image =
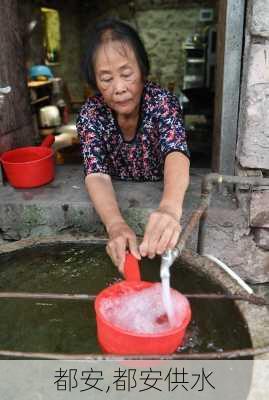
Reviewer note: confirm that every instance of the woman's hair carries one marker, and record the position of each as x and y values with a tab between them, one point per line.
114	30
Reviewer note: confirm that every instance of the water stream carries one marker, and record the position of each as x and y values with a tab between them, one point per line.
167	301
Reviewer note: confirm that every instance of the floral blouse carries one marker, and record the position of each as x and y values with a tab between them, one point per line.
160	131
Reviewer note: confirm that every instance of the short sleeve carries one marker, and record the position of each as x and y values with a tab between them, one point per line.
171	127
92	144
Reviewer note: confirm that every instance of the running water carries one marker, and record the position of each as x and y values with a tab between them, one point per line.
166	290
167	301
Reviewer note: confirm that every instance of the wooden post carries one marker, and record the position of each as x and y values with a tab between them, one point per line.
230	33
16	127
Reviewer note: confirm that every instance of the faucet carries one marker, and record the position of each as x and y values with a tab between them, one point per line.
168	258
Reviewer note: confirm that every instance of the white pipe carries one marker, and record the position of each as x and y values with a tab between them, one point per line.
230	272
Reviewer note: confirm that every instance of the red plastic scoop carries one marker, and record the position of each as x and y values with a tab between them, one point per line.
28	167
131	268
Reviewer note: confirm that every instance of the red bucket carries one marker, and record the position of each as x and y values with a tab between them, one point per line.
32	166
115	340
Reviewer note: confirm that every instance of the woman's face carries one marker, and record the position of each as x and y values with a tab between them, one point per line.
118	77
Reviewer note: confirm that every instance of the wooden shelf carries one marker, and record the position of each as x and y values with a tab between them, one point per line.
36	84
40	99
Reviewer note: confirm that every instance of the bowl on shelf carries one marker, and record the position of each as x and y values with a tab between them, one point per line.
40	72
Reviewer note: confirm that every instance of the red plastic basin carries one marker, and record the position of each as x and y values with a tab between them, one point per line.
116	340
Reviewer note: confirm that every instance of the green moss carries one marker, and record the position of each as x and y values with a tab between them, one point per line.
33	215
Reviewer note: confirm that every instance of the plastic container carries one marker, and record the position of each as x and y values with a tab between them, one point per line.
49	117
28	167
115	340
37	71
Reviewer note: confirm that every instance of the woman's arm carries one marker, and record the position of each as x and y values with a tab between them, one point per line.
176	182
163	228
103	196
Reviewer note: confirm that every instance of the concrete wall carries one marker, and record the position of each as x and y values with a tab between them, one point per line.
163	26
164	40
253	134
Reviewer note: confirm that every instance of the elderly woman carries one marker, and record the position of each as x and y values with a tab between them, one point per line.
131	130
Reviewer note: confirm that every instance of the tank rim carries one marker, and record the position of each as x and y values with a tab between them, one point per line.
255	317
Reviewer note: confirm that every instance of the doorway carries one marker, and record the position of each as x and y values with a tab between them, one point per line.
219	113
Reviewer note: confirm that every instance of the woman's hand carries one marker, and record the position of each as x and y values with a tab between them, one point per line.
121	238
120	235
161	233
163	227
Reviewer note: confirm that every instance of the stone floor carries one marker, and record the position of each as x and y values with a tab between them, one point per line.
63	207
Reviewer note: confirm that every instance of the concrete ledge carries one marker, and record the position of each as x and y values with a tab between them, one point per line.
64	206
